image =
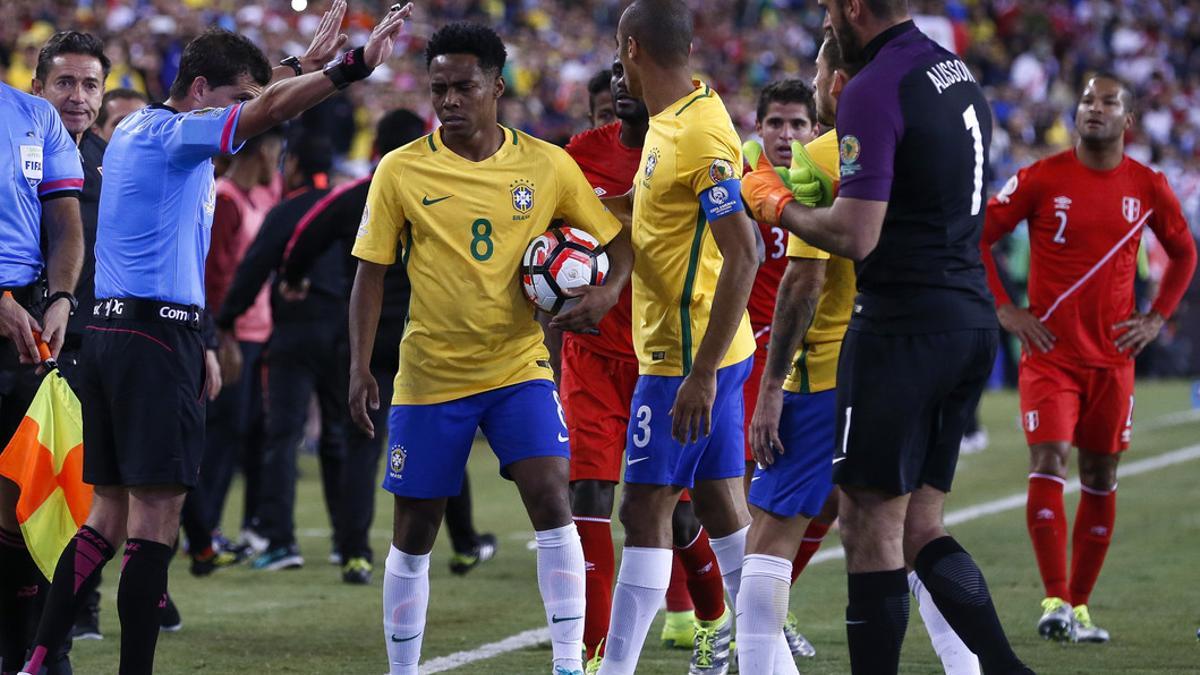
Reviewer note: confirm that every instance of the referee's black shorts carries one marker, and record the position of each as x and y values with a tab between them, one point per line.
141	386
904	402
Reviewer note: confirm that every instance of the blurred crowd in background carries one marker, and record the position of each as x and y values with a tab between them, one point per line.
1029	56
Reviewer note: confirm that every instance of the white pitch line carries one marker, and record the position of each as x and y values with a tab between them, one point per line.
532	638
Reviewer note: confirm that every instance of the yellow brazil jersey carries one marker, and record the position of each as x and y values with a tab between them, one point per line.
690	147
815	366
462	228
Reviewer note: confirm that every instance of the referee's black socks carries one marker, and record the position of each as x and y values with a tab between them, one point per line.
20	584
960	592
78	574
141	597
876	619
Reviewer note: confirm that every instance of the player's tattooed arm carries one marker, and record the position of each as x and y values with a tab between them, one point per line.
850	228
366	299
795	306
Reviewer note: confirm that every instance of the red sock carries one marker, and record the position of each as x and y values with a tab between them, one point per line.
703	577
678	599
813	536
1089	543
599	565
1046	518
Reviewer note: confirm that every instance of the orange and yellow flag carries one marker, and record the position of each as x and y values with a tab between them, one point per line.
45	459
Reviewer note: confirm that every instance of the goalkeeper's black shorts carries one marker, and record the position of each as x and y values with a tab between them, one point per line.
904	402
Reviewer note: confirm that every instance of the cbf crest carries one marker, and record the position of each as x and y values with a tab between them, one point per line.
396	460
522	196
1131	208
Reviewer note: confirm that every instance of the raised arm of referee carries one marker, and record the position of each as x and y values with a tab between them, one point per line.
141	377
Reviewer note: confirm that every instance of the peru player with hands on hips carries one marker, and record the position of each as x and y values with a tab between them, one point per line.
462	204
1087	208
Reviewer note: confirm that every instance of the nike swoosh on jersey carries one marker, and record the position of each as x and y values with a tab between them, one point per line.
562	438
639	459
426	201
407	639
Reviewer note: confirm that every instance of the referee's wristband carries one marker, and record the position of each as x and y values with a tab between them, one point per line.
63	295
348	68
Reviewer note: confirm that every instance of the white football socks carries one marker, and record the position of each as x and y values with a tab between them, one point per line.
762	606
956	658
560	570
405	601
729	551
641	587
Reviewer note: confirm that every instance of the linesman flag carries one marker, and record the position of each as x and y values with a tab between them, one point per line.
45	459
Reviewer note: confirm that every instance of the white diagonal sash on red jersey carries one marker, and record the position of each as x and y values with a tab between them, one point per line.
1137	227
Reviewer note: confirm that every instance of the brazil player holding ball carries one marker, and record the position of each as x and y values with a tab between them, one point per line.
461	204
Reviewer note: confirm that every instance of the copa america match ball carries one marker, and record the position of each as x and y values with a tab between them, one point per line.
559	259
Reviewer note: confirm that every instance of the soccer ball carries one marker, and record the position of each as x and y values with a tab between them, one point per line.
558	259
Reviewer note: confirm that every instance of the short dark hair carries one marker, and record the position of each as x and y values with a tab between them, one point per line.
464	37
661	27
117	95
70	42
831	51
787	91
887	9
600	83
220	57
396	129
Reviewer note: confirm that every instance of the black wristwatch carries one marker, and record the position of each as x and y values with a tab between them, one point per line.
63	295
293	62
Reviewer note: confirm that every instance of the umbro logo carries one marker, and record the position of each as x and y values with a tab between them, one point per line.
1100	531
705	569
1062	203
1045	514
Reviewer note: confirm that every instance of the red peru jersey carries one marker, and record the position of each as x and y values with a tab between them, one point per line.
609	166
1085	227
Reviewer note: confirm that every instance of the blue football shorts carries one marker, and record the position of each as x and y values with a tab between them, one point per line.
801	478
654	457
428	445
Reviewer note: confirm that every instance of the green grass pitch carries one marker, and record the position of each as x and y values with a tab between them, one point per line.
308	621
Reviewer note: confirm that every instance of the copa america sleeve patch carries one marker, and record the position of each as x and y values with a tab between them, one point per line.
722	199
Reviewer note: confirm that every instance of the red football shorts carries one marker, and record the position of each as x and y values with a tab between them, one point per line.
750	388
1089	407
596	392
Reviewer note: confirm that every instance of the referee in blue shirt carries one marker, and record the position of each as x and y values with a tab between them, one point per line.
40	182
141	376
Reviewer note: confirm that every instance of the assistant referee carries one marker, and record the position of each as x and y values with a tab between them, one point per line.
141	382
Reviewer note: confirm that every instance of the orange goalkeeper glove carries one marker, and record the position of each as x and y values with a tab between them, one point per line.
764	188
